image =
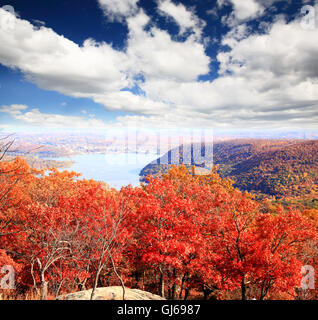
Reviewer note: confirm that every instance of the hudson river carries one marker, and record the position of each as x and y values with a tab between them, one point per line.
115	169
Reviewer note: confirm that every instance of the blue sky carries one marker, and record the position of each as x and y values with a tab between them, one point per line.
221	64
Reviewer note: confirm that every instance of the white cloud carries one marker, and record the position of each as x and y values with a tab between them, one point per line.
118	9
36	118
156	55
185	18
56	63
129	102
286	51
13	110
245	10
236	34
213	12
96	70
265	80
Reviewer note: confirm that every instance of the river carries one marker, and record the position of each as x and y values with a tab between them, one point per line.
117	170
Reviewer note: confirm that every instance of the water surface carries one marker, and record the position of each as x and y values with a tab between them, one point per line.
115	169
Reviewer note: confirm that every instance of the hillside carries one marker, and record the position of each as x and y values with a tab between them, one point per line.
280	168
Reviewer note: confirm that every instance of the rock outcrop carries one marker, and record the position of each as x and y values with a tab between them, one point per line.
111	293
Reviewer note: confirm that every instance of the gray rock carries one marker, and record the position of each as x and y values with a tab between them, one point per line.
111	293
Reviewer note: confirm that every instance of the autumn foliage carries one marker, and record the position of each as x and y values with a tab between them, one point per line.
180	236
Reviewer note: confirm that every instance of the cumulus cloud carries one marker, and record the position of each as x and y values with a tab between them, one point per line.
56	63
244	10
96	70
118	10
264	80
185	19
156	55
14	110
286	51
36	118
129	102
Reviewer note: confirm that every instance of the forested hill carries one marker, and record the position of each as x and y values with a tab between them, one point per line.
280	168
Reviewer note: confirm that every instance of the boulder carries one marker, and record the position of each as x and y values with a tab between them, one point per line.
111	293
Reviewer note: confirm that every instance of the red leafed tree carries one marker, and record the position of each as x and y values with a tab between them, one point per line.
204	195
101	216
50	247
276	264
47	187
178	233
15	175
51	233
233	242
223	220
166	232
309	256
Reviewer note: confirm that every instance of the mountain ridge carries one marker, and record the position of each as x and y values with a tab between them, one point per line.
279	167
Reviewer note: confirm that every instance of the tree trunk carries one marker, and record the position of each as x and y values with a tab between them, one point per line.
137	279
173	291
243	288
59	288
43	288
82	285
173	287
117	274
206	294
181	291
162	284
143	280
95	284
181	287
186	293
